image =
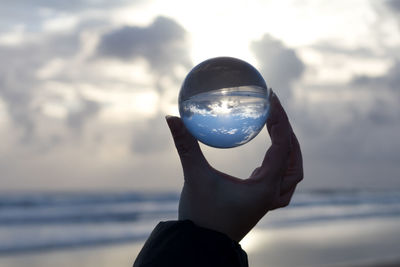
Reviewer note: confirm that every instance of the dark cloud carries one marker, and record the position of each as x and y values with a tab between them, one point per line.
87	110
394	4
354	140
360	129
345	146
18	79
280	65
382	114
32	13
385	108
18	103
349	133
390	80
163	44
24	59
72	5
341	138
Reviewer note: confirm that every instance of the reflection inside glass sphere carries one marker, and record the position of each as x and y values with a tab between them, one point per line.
224	102
226	117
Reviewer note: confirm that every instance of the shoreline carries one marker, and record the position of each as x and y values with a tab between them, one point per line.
125	255
99	256
347	243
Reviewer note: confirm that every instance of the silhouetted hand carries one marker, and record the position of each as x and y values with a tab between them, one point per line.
230	205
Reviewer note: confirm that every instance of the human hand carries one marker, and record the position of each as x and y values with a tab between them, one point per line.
218	201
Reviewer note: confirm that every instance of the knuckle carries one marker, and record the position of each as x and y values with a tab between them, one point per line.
285	204
298	179
301	177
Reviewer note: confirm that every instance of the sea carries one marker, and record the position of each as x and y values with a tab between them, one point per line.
34	222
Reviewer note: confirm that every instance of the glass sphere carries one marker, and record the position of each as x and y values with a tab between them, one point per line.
224	102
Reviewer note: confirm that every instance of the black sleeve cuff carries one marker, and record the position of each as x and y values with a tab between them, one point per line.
182	243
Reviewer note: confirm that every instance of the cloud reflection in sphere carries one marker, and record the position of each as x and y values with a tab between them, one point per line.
224	102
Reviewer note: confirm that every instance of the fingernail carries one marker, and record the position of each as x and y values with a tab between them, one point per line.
273	95
169	121
274	99
175	125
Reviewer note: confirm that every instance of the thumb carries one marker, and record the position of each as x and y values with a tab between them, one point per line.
187	146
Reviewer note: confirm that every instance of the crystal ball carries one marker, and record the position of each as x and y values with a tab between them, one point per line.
224	102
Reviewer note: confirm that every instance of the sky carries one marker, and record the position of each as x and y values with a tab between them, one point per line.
85	86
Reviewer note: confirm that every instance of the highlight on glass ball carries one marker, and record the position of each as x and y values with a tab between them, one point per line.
224	102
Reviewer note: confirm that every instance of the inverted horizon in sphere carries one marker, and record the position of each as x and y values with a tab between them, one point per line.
224	102
227	117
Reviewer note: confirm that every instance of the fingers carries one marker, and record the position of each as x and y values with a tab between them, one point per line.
255	172
294	175
284	200
276	159
187	146
294	172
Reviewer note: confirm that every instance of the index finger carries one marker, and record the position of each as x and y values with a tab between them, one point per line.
294	172
276	159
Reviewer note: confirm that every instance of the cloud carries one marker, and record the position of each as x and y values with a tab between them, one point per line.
390	80
87	109
64	61
280	65
150	136
32	14
351	133
67	121
66	110
73	5
163	44
19	84
335	47
347	127
385	109
394	4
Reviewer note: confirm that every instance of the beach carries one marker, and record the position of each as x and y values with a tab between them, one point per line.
329	229
350	243
99	256
357	243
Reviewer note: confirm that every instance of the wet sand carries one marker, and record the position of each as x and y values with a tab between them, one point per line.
101	256
362	242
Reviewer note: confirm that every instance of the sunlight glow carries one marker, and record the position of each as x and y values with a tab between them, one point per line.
124	107
222	107
134	71
253	240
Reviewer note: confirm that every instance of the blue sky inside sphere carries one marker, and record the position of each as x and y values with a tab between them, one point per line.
227	117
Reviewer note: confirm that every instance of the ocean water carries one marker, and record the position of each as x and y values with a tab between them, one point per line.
52	221
34	222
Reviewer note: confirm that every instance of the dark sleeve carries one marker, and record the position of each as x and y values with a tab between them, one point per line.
182	243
